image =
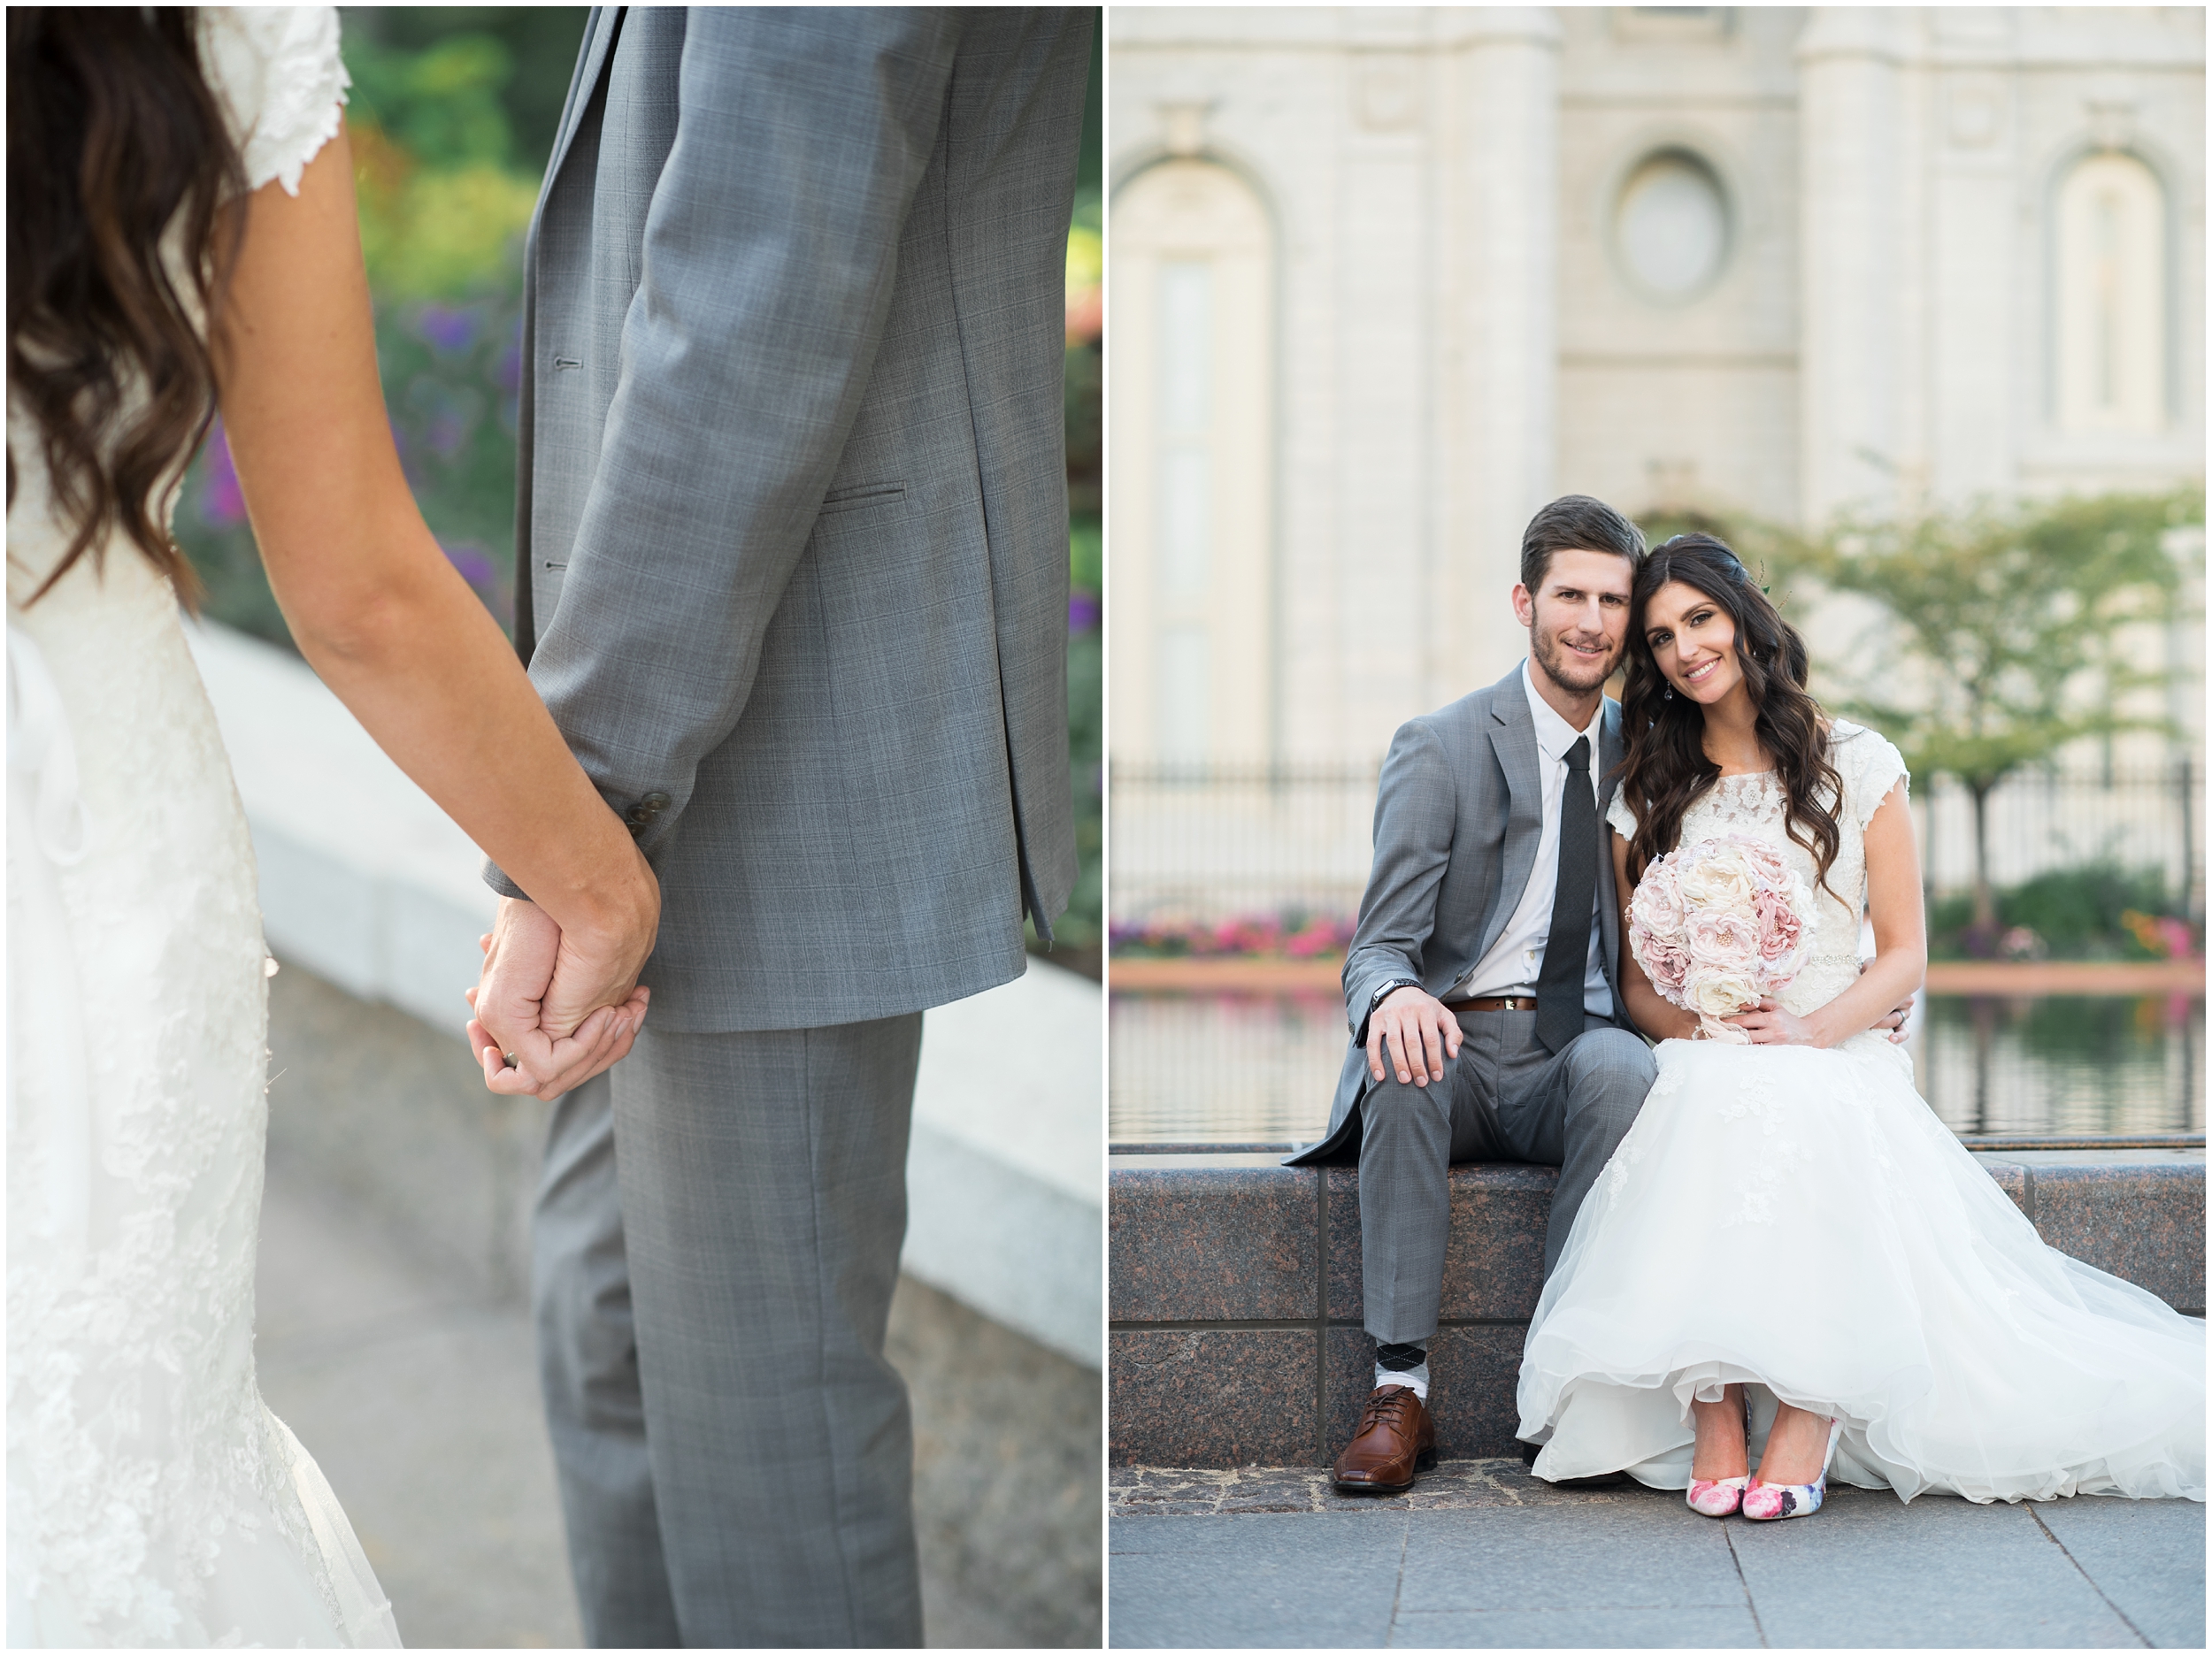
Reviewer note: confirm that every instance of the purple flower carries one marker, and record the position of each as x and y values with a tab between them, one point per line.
447	432
448	328
473	561
224	502
1082	611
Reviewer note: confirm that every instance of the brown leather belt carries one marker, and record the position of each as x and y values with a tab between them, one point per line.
1493	1002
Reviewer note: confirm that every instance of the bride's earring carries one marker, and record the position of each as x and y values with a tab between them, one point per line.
1669	695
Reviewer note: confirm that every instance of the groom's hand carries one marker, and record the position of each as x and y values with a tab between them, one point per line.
543	1001
1411	1031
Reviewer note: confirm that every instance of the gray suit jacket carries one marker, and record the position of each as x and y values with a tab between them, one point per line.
1458	818
793	518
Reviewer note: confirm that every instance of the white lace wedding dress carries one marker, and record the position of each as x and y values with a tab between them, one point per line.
1800	1219
152	1497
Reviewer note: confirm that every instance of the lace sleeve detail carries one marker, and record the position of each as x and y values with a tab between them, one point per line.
1620	817
1869	764
278	73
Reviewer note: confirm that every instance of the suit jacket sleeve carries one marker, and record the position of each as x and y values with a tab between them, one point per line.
1414	809
770	251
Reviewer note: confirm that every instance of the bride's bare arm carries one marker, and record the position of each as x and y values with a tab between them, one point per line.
1901	942
379	612
1647	1009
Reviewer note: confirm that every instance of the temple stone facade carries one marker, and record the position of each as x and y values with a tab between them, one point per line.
1384	280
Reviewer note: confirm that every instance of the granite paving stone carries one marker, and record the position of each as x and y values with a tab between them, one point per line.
1212	1397
1578	1629
1237	1244
418	1396
1301	1580
1454	1484
1639	1550
1482	1555
1868	1570
2147	1557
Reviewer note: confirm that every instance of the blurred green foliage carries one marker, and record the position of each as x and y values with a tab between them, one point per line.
2004	627
2075	914
451	119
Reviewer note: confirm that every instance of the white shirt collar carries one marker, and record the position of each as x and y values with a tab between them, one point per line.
1553	734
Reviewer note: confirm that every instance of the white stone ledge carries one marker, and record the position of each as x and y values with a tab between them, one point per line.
366	883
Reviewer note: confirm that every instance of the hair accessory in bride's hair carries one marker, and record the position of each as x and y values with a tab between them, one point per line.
1719	923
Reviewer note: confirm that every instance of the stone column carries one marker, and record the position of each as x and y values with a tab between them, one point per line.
1500	383
1983	271
1856	240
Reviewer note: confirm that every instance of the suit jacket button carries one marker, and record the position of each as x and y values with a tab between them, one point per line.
653	804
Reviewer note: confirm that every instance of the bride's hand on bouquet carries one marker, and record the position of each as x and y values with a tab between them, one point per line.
559	1005
1768	1024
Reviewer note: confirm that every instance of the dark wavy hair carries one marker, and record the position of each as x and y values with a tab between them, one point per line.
116	143
1666	770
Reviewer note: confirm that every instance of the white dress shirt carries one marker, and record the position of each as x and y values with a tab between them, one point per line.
1516	959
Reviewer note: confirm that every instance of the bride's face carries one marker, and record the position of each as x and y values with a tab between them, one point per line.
1693	640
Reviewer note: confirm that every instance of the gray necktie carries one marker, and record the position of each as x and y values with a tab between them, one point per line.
1567	947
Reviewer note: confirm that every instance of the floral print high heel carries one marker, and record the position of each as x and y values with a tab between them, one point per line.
1722	1496
1770	1502
1718	1497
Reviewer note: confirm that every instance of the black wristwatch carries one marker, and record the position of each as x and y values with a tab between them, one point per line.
1388	989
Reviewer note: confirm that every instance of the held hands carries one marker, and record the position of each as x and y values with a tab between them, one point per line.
566	1004
1412	1031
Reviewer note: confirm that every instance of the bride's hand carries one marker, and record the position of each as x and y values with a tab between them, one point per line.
1768	1024
564	1005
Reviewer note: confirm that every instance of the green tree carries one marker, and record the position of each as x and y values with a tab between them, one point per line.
2004	630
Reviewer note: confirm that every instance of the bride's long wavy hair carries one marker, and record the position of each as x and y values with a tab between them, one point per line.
117	144
1666	770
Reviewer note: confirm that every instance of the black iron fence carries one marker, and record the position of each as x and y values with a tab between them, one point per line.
1218	842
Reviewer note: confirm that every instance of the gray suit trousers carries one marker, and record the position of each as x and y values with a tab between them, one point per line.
716	1243
1503	1098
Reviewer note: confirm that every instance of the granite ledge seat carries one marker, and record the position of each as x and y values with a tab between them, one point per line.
1233	1290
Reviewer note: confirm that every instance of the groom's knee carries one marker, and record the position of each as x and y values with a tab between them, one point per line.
1392	1107
1609	1071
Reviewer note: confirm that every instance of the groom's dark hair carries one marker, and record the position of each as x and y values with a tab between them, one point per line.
1575	523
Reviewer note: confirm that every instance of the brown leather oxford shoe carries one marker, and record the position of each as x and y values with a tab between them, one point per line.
1396	1438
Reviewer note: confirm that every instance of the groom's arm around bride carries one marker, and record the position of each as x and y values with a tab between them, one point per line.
792	537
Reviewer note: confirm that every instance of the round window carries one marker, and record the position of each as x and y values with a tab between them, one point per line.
1671	225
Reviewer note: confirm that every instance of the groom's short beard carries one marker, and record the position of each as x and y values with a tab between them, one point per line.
1568	673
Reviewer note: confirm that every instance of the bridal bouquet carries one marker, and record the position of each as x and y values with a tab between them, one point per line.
1717	924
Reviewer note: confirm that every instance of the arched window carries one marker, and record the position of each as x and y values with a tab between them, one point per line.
1191	297
2111	297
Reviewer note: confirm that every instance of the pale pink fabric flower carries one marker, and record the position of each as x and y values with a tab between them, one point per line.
1719	923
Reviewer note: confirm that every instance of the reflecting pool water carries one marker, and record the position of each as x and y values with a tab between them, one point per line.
1222	1069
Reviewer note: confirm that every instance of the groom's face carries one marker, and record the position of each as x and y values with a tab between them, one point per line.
1578	619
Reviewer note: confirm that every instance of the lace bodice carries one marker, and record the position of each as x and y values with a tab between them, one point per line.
1869	767
152	1497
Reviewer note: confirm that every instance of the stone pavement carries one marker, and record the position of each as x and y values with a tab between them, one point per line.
1482	1555
417	1393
